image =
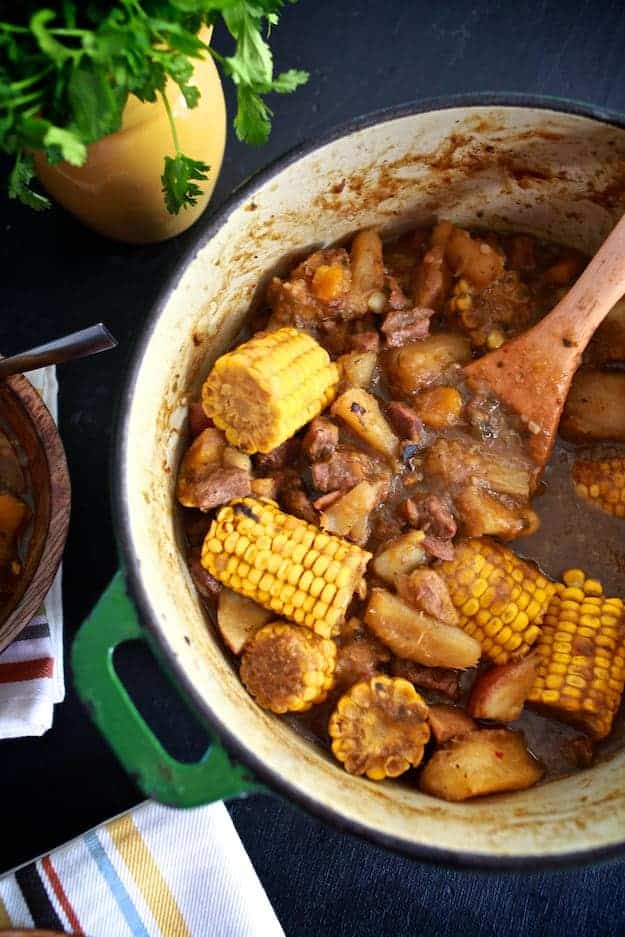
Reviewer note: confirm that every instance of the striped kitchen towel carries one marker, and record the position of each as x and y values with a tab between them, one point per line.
31	668
151	872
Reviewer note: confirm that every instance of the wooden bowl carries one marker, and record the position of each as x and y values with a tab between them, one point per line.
31	423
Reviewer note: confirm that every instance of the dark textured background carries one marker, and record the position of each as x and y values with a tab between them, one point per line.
55	276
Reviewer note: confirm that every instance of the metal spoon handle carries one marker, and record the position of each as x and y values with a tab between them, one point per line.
76	345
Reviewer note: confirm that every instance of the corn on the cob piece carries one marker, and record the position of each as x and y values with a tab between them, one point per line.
501	600
581	655
287	668
602	482
262	392
284	563
379	728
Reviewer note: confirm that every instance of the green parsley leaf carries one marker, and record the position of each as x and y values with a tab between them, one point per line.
180	175
19	184
64	145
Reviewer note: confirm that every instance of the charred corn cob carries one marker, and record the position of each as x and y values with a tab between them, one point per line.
287	668
581	655
268	388
602	482
284	563
379	728
500	599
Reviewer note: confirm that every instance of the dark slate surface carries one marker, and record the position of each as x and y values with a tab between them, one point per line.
55	276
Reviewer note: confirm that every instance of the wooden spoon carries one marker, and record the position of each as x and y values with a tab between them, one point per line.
532	373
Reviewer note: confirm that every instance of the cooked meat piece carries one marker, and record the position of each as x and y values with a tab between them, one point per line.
198	420
359	659
344	469
439	679
386	528
448	722
406	325
315	290
196	526
579	751
521	253
397	299
221	486
365	341
293	498
432	280
201	459
440	549
206	585
431	514
567	269
326	501
426	589
321	439
335	337
404	420
278	458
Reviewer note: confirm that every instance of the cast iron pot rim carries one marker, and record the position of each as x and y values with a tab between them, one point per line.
120	499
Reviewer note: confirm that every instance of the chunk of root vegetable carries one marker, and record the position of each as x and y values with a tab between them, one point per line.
357	367
348	516
488	761
361	412
416	636
413	366
595	407
500	692
238	618
400	557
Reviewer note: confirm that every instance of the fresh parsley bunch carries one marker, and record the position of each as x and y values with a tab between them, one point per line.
66	71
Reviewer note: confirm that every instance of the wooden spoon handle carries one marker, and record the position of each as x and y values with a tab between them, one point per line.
576	317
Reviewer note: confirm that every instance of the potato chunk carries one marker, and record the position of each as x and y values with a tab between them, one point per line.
412	367
400	557
358	367
238	618
203	456
367	269
488	761
500	692
481	513
349	515
595	407
448	722
361	412
379	728
416	636
472	258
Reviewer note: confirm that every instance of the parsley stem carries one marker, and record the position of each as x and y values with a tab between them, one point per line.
23	99
32	80
172	123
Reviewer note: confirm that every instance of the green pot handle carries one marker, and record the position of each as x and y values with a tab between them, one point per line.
215	777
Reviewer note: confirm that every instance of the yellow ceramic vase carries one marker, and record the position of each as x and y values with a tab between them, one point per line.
118	190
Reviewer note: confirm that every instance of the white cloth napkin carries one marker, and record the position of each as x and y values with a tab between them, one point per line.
151	872
31	668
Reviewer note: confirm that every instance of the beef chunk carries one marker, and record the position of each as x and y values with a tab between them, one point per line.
406	325
293	498
404	420
206	585
321	439
198	420
278	458
359	659
432	280
365	341
439	679
222	486
344	469
432	515
440	549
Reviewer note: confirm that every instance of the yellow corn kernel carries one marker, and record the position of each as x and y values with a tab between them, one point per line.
602	482
580	652
287	668
508	600
379	728
262	392
283	566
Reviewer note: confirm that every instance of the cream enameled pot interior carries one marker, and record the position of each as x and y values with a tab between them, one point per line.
555	175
